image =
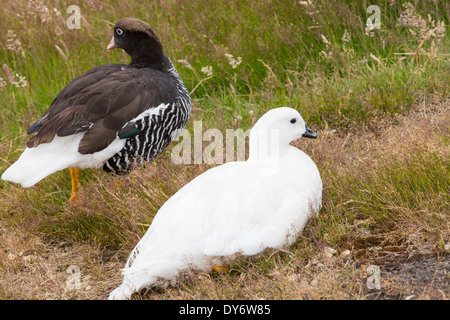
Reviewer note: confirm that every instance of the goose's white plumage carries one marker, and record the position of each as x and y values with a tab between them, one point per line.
34	164
239	207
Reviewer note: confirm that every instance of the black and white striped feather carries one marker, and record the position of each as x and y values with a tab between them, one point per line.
158	127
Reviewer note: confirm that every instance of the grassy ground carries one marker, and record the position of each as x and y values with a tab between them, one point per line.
378	98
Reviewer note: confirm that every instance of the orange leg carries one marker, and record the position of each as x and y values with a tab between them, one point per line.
76	184
220	268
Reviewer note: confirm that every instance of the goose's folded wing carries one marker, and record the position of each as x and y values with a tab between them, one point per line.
103	104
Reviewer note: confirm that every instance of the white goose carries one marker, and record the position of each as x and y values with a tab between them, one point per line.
239	207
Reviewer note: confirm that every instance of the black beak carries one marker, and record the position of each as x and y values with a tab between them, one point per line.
309	133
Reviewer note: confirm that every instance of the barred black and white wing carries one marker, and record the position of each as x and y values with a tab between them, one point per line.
154	130
157	128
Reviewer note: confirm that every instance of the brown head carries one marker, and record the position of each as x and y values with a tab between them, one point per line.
140	42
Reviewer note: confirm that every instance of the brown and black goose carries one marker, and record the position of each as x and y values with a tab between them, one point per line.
111	116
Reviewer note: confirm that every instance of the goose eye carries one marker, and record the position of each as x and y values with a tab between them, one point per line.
119	31
293	120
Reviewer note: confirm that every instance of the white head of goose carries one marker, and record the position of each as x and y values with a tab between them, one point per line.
110	116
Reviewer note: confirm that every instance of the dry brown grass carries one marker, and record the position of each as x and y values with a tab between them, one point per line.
407	237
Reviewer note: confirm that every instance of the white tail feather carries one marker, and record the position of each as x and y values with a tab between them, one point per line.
62	152
34	165
122	292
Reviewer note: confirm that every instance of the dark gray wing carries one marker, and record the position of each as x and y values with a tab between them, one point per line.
102	101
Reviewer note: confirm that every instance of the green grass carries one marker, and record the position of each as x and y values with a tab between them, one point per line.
376	166
280	45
